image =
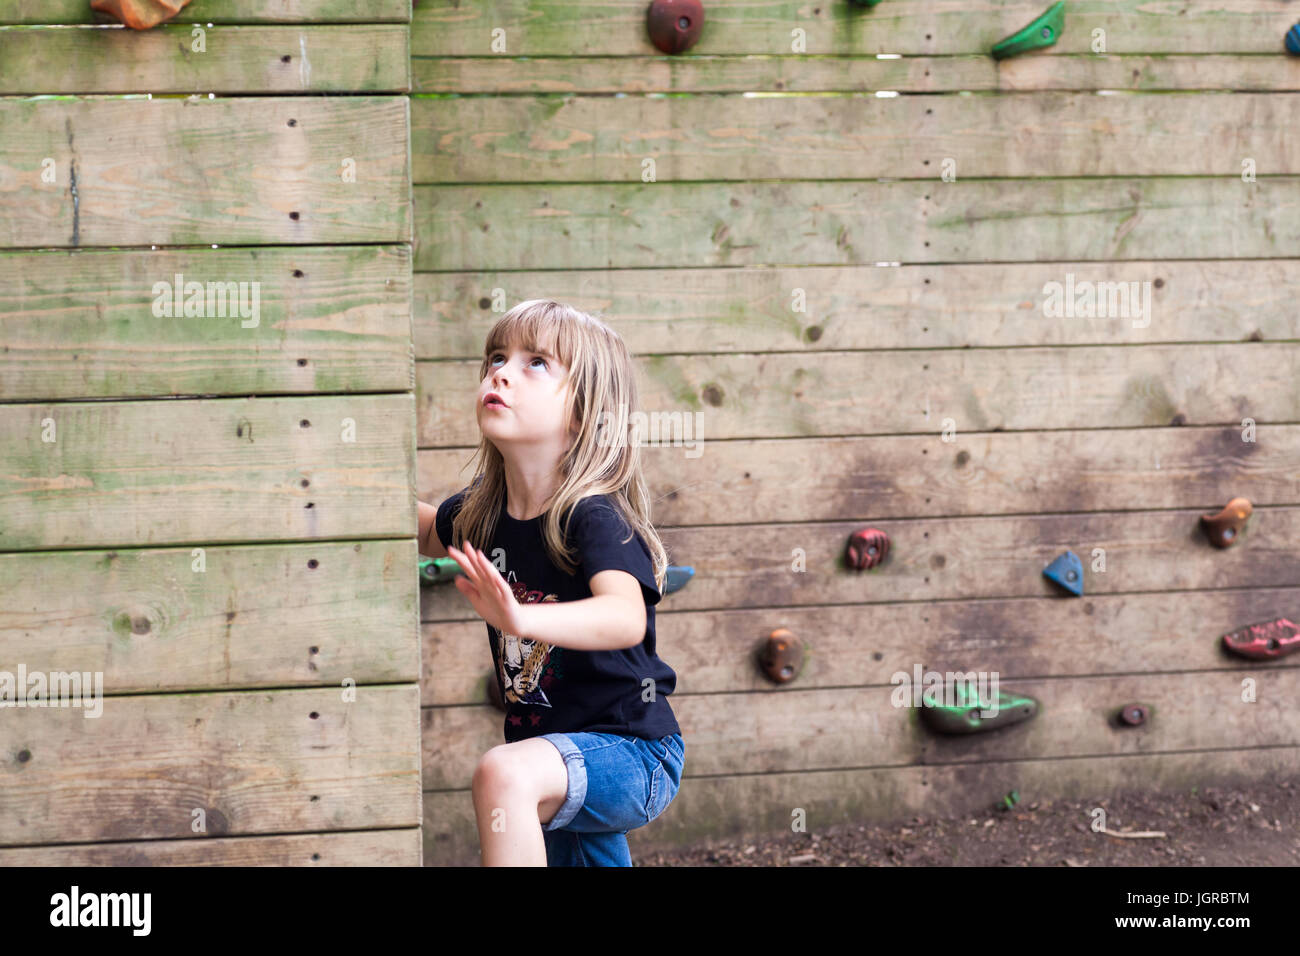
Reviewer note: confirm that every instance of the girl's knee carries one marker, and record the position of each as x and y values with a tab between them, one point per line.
500	773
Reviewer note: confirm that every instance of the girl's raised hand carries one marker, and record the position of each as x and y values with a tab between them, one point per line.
485	588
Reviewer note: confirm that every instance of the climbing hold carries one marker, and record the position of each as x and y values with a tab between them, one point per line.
1067	571
438	570
1009	801
1222	529
867	548
140	14
1135	715
677	578
494	692
964	717
1040	33
864	3
1293	40
675	25
782	656
1265	641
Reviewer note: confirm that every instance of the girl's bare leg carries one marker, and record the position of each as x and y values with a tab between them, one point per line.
517	787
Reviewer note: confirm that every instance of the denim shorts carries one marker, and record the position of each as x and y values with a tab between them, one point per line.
616	784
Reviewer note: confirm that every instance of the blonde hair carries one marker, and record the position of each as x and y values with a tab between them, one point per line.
601	388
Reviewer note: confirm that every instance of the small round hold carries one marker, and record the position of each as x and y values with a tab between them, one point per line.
1293	40
675	25
867	548
782	656
1134	715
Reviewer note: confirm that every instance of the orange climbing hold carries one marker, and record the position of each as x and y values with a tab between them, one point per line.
140	14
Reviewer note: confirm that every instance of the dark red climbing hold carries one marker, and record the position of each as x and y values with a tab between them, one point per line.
1265	641
1135	715
675	25
1224	528
782	656
867	548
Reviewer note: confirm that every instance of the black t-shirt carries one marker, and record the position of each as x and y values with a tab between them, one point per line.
549	689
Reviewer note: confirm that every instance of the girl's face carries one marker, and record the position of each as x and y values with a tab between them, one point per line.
532	385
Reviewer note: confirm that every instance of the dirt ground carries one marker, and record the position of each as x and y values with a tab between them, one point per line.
1254	825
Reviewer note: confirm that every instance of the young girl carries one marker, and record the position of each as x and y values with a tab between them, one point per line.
561	561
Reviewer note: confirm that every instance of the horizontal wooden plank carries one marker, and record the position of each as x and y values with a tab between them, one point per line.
201	171
748	805
819	73
206	472
83	325
712	651
845	307
254	762
267	616
556	27
779	395
360	848
220	11
717	137
310	59
912	476
663	224
849	727
940	559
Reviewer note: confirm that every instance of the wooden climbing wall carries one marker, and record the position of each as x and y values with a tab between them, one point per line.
817	177
213	508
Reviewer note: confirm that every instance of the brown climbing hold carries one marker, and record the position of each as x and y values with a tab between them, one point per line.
1135	715
782	656
140	14
675	25
867	548
1224	528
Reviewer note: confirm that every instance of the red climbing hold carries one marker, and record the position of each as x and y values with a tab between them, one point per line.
867	548
1135	715
1265	641
675	25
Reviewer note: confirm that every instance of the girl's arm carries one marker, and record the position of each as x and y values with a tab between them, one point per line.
430	546
612	619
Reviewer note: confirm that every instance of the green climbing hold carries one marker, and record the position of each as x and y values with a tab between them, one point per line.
1042	32
971	714
438	570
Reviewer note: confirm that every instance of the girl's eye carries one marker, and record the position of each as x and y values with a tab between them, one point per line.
536	358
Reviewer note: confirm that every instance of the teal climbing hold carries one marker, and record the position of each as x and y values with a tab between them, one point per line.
1067	571
1293	40
677	578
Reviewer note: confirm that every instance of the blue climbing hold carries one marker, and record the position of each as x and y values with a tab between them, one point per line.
1293	40
1067	571
677	578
